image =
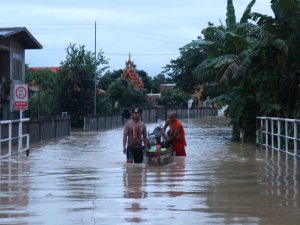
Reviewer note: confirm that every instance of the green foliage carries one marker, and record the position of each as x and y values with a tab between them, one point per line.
150	84
148	81
108	78
253	68
77	81
173	98
288	12
181	69
122	94
247	11
158	80
43	102
230	16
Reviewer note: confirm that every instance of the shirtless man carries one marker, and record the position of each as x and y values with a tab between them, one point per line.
135	134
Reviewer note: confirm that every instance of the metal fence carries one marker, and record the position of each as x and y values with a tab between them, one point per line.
13	139
17	135
279	134
48	129
149	115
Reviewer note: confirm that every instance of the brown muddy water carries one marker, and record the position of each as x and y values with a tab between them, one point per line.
83	179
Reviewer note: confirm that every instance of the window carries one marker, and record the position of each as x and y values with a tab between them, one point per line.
17	66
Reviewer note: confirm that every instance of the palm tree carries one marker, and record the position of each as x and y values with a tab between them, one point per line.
253	66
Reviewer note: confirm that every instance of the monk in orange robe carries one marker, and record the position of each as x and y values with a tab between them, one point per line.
177	138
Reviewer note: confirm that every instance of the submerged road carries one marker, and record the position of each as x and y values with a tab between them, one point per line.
83	179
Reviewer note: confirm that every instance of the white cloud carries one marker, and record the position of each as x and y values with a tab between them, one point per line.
160	26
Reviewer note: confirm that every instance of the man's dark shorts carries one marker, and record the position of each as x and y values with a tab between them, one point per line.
137	154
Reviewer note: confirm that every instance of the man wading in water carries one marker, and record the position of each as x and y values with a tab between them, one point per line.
177	137
135	133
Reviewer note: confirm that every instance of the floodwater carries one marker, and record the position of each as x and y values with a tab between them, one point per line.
83	179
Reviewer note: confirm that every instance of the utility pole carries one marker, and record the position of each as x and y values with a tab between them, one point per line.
95	73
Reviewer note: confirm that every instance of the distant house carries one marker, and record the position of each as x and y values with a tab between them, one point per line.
13	43
52	69
32	86
131	75
164	87
153	97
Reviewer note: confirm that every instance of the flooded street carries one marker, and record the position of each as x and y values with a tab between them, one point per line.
83	179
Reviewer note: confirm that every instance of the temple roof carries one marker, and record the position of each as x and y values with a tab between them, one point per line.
130	74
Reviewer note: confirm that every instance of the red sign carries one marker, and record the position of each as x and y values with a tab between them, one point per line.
21	97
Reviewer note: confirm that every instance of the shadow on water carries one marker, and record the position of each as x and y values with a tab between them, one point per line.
83	179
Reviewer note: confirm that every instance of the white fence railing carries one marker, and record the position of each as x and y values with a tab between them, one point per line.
279	134
12	144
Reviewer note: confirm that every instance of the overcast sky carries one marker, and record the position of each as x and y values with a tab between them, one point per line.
152	30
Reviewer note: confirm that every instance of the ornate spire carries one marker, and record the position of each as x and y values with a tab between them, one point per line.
131	75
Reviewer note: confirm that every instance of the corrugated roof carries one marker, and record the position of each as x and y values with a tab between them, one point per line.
25	36
4	33
52	69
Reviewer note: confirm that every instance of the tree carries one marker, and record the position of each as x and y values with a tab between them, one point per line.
123	95
181	69
147	80
158	80
43	101
108	78
173	98
253	67
77	81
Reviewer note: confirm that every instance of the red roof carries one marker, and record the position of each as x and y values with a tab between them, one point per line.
52	69
131	75
153	97
164	87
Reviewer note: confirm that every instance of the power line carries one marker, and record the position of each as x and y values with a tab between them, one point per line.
142	37
146	33
110	29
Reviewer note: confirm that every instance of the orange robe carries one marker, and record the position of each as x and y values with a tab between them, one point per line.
178	142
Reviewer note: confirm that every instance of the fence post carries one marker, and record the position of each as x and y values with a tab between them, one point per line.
97	118
261	130
267	132
278	133
257	131
286	137
55	128
41	130
295	139
9	137
84	123
20	135
272	133
111	122
0	144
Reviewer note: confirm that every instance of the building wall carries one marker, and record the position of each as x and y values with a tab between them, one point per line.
14	70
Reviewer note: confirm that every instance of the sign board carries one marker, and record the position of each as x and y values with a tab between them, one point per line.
190	103
21	97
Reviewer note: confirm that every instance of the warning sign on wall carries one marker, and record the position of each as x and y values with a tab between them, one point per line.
21	97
